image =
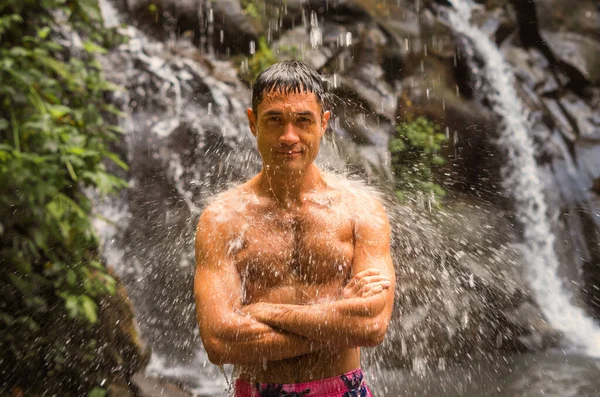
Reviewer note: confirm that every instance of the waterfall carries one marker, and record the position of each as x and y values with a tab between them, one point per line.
522	179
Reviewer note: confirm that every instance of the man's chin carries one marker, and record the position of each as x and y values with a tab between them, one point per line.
290	167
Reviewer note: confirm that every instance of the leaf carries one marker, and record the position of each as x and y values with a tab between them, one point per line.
7	63
43	32
93	48
77	150
7	319
72	306
114	110
3	124
111	284
97	392
29	323
90	9
71	278
115	129
24	78
96	265
58	111
60	68
89	308
117	160
19	52
71	170
109	86
437	160
396	145
21	283
23	266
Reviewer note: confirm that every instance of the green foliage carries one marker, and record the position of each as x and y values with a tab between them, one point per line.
53	142
414	154
253	8
262	59
97	392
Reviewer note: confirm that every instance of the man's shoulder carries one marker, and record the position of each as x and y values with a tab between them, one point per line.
226	206
354	192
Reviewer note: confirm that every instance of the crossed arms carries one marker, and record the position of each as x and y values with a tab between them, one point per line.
237	334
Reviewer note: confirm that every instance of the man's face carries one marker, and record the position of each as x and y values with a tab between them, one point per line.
288	129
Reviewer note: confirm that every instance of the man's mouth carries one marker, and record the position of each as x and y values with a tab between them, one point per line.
289	152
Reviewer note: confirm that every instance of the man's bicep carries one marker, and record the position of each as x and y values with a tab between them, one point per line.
217	287
372	241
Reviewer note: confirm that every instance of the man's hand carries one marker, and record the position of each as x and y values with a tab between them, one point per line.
366	283
363	285
253	310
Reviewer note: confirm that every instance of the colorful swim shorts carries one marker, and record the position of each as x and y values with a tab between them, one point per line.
350	384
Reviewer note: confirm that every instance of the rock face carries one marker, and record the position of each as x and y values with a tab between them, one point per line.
119	330
217	27
558	76
461	285
185	141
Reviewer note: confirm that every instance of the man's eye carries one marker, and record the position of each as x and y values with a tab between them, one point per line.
274	118
303	119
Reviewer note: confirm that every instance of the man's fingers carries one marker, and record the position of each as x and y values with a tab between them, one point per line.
374	279
373	291
378	286
369	282
365	281
369	272
365	274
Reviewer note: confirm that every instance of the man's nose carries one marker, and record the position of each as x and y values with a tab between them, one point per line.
289	136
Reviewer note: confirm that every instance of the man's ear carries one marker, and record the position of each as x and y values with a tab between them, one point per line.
251	121
324	120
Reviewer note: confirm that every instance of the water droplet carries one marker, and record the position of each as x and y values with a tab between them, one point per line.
348	39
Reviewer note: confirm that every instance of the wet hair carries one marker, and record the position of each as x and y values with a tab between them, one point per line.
289	77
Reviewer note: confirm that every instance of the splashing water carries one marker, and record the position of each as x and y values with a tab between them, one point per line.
316	35
522	179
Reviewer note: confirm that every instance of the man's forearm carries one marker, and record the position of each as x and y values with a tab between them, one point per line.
343	323
245	340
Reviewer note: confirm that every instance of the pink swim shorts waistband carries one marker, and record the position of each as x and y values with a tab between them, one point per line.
349	384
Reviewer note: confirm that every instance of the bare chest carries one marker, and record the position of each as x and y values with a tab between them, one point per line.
311	248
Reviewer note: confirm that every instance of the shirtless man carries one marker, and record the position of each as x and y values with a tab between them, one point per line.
294	272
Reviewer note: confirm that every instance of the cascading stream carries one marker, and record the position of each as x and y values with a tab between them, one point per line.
522	179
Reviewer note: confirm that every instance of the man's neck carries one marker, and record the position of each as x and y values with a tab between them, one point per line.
287	188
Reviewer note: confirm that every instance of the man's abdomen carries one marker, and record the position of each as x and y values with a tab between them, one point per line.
310	367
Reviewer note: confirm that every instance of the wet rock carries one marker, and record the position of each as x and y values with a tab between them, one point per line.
344	12
577	50
165	18
221	26
239	29
120	388
560	15
529	68
295	44
186	139
119	331
537	334
582	117
152	387
365	78
596	186
287	12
